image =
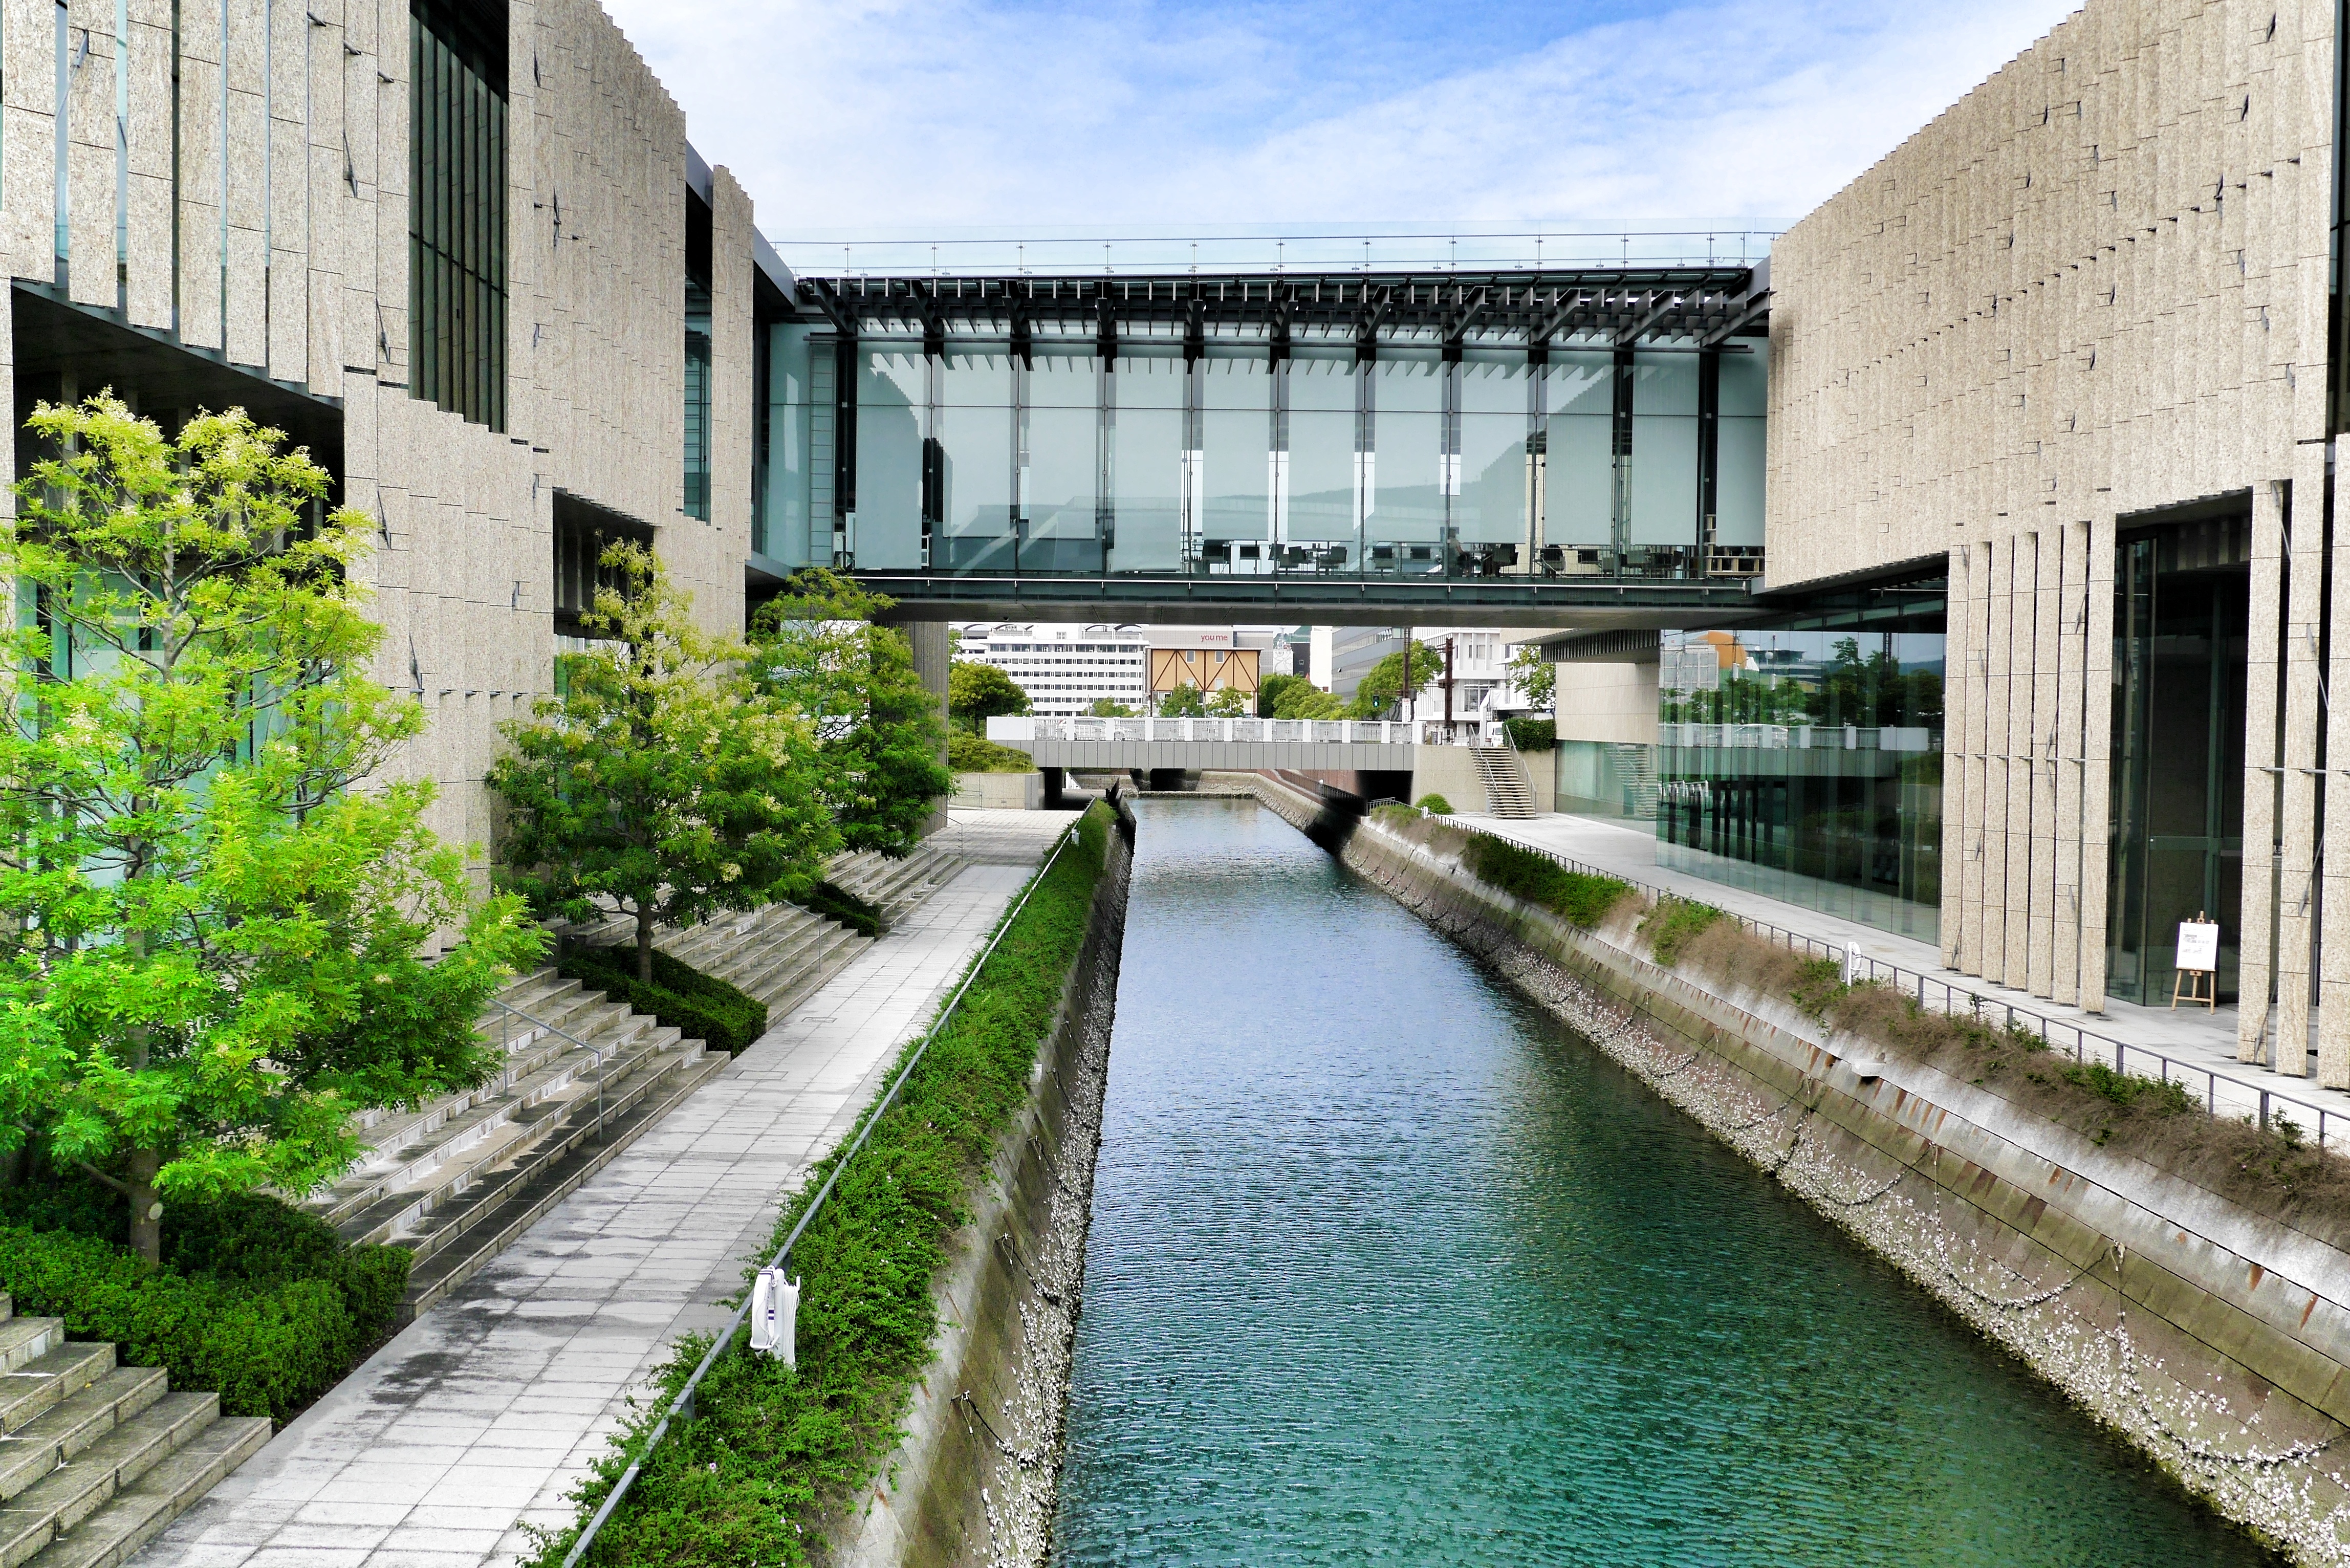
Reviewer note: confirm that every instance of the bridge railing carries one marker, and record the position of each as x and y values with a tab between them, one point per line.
1285	732
2220	1092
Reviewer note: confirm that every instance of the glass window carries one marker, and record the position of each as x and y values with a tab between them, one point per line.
785	515
1402	484
889	397
1495	477
1236	403
1322	458
456	212
1739	454
1147	464
1579	463
1061	465
973	425
1664	450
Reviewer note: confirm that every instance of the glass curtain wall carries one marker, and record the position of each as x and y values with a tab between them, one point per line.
969	461
1808	765
2181	601
456	208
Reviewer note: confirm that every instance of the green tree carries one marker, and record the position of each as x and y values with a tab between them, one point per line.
663	784
1109	708
1229	702
211	945
1269	690
1536	676
1307	700
977	692
880	736
1183	703
1385	685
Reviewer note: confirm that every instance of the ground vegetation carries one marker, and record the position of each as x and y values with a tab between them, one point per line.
775	1454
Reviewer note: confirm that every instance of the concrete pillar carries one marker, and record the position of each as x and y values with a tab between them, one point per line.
932	654
2023	606
1957	705
2255	961
1997	651
2331	961
2097	765
2297	889
2047	679
2073	694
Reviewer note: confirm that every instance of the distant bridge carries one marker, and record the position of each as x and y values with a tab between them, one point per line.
1302	745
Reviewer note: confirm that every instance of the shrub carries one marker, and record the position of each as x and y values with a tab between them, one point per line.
256	1299
1531	734
705	1007
771	1447
970	753
1435	804
1584	899
1672	924
834	902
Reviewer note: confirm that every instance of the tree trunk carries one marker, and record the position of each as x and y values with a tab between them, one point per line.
146	1204
644	947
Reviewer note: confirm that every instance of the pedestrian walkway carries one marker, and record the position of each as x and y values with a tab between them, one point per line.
2196	1035
479	1416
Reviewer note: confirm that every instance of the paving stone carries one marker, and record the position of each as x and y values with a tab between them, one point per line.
480	1414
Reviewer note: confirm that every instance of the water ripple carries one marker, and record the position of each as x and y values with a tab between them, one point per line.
1384	1269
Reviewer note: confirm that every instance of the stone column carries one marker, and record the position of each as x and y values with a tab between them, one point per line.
2304	537
2073	693
2255	957
932	653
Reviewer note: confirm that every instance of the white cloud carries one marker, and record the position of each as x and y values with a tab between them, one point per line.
907	115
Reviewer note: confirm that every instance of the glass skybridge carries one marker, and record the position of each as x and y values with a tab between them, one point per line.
1381	438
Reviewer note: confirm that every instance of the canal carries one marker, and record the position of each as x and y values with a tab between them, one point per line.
1386	1266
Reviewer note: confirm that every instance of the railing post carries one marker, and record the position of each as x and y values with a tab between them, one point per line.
2264	1111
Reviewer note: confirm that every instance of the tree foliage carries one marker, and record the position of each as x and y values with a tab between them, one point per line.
1535	676
977	692
879	734
663	783
1385	684
211	945
1229	702
1185	701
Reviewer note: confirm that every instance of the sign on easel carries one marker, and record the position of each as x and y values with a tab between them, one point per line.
2197	963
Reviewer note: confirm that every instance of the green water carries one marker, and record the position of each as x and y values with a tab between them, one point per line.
1387	1267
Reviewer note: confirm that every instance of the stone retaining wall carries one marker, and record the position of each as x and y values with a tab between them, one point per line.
2215	1339
976	1478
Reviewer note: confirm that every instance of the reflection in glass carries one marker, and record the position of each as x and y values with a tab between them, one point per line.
1808	765
1739	460
973	425
890	408
1664	450
1236	418
784	516
1147	464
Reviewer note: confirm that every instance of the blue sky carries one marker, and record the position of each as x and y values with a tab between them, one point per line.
848	118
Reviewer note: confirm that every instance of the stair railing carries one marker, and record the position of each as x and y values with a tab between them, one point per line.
507	1014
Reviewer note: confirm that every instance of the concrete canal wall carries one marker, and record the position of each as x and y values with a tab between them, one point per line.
975	1480
2214	1338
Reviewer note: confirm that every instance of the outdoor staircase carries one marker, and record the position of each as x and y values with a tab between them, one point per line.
1636	766
455	1179
1508	792
895	886
779	953
96	1458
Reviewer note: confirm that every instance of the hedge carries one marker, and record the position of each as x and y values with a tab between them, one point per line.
256	1299
771	1449
834	902
1584	899
1531	734
681	997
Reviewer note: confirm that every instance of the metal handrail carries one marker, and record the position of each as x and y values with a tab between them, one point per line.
505	1046
2254	1097
2082	1040
682	1402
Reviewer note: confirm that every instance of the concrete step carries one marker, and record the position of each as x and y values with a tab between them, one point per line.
41	1385
55	1507
78	1421
27	1339
498	1219
138	1512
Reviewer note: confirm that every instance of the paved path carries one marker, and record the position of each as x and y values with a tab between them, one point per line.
481	1414
2198	1035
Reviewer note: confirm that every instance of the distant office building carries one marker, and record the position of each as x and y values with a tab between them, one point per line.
1342	655
1064	668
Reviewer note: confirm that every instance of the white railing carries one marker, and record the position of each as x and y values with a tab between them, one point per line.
1257	732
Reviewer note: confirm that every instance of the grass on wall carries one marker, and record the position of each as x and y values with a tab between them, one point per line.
774	1452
